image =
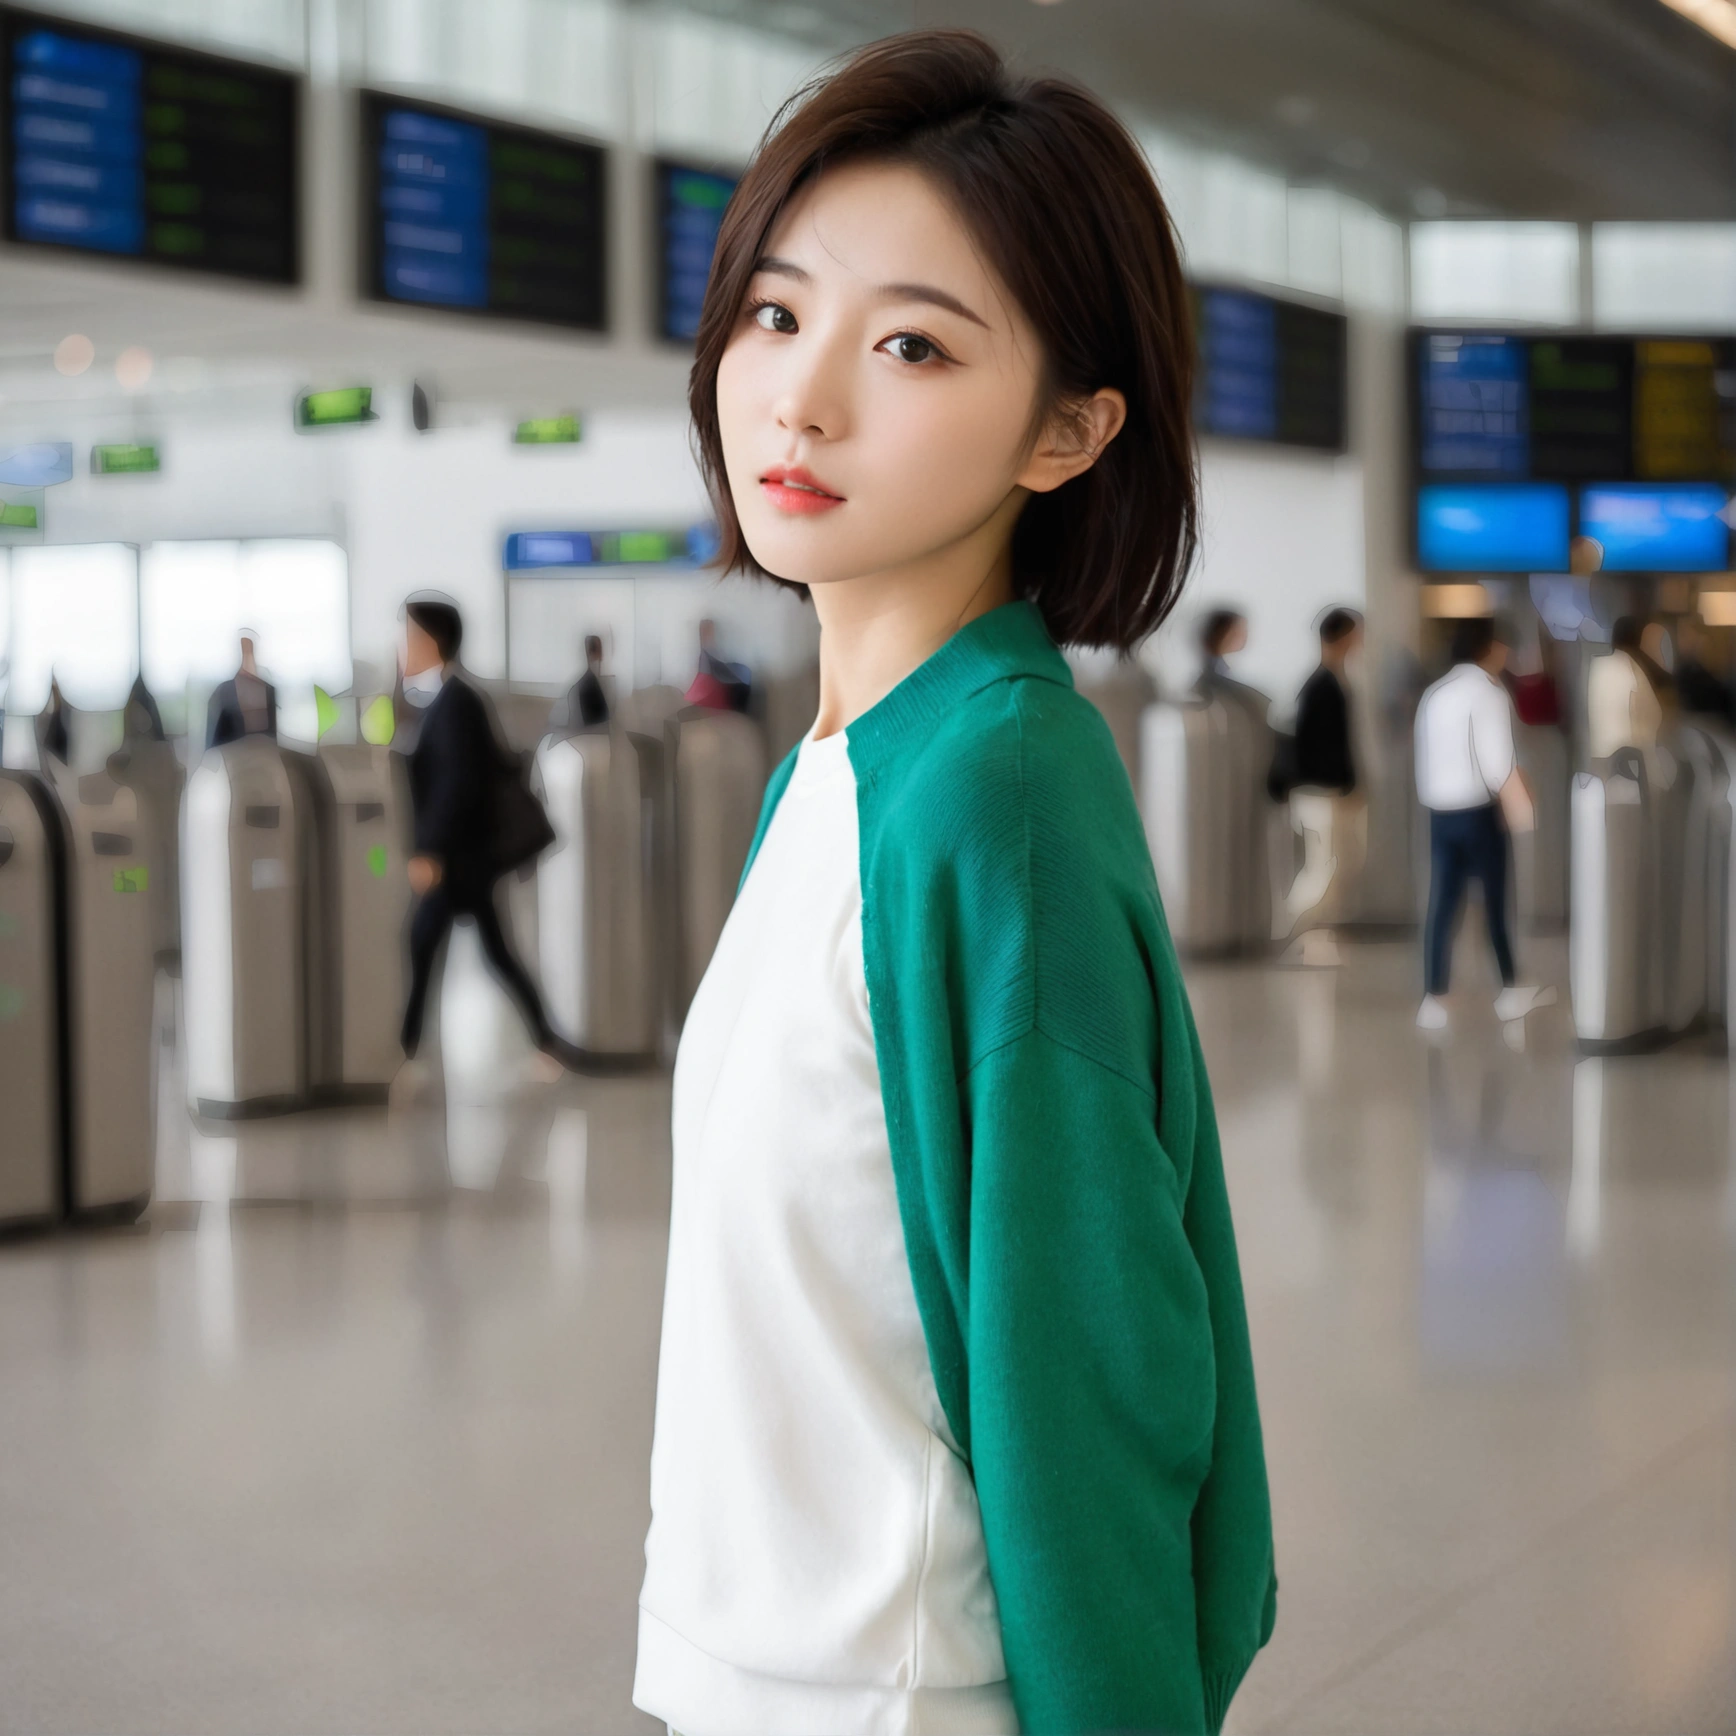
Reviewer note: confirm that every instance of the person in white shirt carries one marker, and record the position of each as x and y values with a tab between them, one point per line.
1468	778
1621	704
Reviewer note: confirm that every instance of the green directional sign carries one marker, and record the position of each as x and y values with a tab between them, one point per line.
548	431
18	515
133	879
124	460
335	409
377	861
379	724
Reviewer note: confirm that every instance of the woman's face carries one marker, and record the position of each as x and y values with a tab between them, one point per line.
876	401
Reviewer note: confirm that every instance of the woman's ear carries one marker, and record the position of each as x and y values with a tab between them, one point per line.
1073	439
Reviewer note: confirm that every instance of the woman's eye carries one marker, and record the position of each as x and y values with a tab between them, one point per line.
773	316
908	347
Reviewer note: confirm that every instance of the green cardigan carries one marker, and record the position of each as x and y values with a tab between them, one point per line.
1062	1194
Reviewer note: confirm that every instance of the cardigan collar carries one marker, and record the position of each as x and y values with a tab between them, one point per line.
1006	642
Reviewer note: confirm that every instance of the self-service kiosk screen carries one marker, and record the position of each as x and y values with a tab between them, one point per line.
1492	527
1658	527
119	146
690	207
476	215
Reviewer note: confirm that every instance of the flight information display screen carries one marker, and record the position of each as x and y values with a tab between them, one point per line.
1493	527
483	217
1658	527
1270	370
122	147
690	207
1573	408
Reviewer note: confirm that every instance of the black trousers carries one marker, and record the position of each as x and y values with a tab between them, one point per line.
1465	844
430	925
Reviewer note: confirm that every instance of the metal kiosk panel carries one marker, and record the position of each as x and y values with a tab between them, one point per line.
32	1039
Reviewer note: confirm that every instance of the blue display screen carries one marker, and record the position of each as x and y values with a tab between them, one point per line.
1475	405
433	209
691	204
77	172
1239	364
483	216
1657	527
127	148
1483	528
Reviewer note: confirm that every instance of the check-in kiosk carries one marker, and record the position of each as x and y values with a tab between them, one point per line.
595	894
718	776
365	852
1612	952
243	881
111	988
32	1028
1203	763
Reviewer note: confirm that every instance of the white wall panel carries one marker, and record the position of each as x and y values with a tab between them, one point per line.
1651	276
1495	271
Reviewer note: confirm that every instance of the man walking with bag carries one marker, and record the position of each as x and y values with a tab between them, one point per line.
468	825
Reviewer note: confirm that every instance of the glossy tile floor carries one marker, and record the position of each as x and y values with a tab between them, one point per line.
350	1434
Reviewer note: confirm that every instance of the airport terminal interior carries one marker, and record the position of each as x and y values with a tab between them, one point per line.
327	1377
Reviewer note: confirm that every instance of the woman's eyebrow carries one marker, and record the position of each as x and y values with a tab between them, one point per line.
927	292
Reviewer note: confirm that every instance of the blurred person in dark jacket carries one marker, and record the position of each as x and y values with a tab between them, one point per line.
455	772
1326	808
1223	633
586	705
245	704
54	727
718	685
1699	690
141	720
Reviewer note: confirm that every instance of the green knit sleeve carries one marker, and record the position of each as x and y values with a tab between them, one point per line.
1093	1398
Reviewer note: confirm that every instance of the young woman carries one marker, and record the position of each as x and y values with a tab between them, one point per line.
956	1426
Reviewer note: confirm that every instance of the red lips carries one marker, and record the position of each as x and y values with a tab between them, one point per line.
793	489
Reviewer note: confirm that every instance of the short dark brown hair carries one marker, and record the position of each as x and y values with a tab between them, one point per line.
1216	628
1061	200
1472	638
441	621
1338	624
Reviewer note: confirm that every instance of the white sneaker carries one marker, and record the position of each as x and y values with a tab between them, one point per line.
1432	1014
1518	999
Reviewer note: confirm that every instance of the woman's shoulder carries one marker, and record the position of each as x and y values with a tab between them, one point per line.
1025	746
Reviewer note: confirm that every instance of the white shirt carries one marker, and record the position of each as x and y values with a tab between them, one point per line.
1621	710
1464	740
815	1565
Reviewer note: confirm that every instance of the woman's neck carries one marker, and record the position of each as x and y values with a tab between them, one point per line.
877	629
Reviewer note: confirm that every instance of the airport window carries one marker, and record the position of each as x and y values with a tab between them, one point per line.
1658	275
1507	271
75	618
558	58
197	596
277	28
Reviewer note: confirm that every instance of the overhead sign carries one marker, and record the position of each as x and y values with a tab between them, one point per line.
472	214
548	431
337	408
121	146
137	460
543	550
39	466
1269	370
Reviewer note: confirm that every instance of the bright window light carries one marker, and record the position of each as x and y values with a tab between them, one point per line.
297	594
75	616
1659	276
190	613
1495	271
197	596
